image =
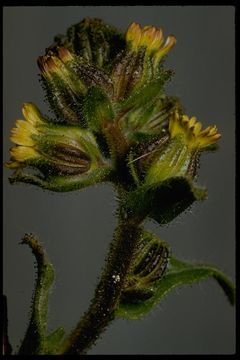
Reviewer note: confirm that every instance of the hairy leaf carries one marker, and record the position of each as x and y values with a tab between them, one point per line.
179	273
164	201
34	338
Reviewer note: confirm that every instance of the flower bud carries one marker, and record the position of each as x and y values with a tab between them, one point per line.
63	87
94	41
151	38
149	266
140	62
53	149
66	79
179	156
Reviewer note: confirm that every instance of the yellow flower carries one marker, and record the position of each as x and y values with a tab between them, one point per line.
190	131
64	149
151	38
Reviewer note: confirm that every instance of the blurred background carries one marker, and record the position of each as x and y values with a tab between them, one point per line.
76	228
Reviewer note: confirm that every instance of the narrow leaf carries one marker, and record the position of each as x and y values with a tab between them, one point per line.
34	337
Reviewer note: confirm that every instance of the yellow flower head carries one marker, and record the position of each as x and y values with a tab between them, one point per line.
151	38
191	131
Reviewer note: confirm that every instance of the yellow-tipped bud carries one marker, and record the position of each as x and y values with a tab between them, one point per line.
151	38
133	35
55	63
170	42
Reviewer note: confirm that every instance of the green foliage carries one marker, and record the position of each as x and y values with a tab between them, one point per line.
178	273
98	109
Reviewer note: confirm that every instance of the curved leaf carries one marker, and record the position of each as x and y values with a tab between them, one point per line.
179	273
34	337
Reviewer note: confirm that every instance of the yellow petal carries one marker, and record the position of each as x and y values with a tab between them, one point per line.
22	133
170	42
134	34
190	131
23	153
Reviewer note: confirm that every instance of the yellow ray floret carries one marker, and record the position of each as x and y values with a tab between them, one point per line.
22	133
20	154
151	38
190	131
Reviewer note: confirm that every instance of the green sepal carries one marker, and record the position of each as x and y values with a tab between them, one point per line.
33	341
164	201
179	273
98	110
142	96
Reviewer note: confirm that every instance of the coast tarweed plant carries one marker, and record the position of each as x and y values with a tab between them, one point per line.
112	122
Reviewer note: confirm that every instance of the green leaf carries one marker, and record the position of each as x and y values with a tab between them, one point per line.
164	201
141	97
179	273
34	337
97	109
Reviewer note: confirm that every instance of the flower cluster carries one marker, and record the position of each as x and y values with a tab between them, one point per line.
111	114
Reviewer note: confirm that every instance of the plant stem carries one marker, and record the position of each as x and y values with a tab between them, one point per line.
108	291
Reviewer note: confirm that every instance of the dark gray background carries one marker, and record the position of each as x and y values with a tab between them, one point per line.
76	227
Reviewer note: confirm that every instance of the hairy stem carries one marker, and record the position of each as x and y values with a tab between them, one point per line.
107	294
